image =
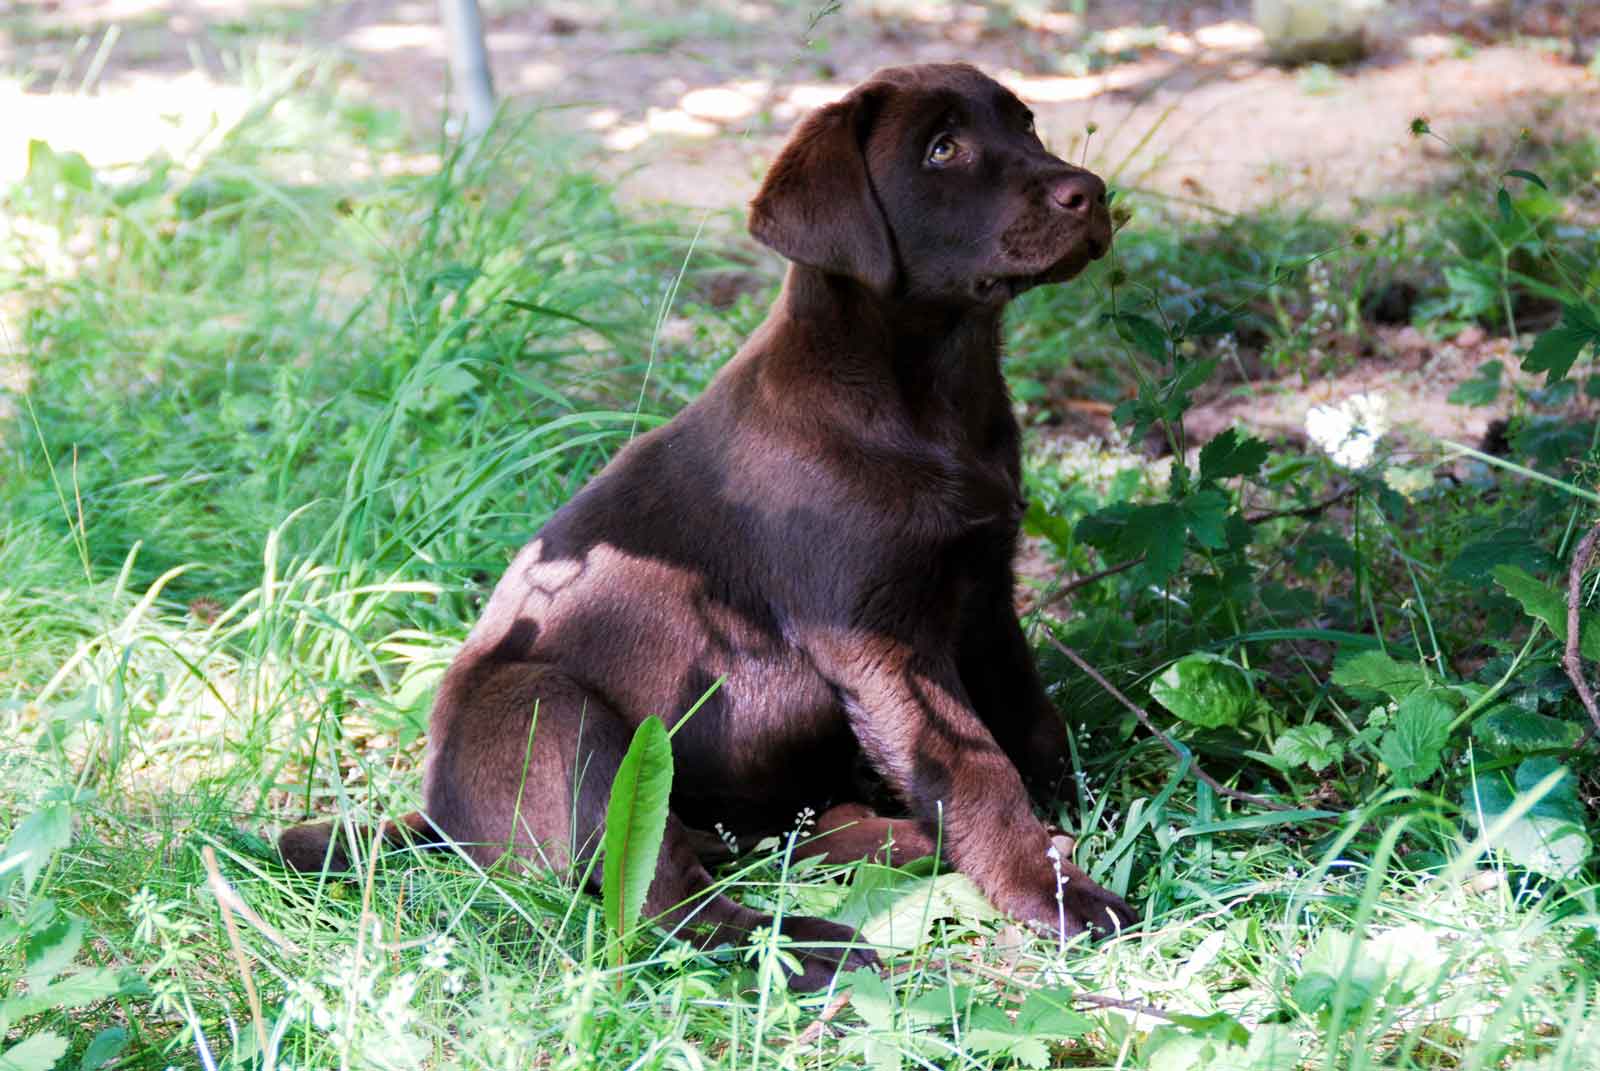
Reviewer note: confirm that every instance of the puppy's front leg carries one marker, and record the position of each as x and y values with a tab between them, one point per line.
916	725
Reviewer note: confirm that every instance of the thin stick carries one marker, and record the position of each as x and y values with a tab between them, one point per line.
1096	999
226	897
1171	745
1572	662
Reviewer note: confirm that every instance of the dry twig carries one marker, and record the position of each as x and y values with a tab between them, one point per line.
1572	662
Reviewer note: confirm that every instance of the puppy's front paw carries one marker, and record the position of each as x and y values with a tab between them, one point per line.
1099	909
824	949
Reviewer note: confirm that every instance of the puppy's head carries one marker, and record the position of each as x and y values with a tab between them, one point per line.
929	183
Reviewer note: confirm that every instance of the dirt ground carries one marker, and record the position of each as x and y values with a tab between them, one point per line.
684	102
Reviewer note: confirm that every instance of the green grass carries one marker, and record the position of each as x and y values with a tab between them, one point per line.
282	429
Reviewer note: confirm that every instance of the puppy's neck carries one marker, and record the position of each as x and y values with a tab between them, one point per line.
940	360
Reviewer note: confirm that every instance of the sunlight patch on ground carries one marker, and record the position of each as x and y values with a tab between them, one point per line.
123	124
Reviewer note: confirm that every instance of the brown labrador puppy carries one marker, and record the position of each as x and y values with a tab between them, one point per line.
828	529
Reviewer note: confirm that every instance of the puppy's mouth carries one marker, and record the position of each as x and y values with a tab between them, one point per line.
1004	287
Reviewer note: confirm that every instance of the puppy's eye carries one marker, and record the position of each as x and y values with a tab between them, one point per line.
942	151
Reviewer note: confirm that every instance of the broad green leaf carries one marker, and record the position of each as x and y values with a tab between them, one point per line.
69	991
1508	546
51	950
106	1046
894	909
1374	671
1311	746
1231	454
1323	972
38	1053
1038	521
1205	513
941	1006
1550	838
1481	390
1415	742
1510	730
870	997
1543	602
38	838
1207	691
1555	351
1143	333
636	821
1502	200
1475	287
1049	1013
1124	532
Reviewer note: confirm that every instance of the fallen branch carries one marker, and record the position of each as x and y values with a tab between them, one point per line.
1572	662
1171	745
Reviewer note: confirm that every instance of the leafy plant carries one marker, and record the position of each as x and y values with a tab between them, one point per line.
636	821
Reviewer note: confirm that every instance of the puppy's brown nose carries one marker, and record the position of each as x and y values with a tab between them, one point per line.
1078	193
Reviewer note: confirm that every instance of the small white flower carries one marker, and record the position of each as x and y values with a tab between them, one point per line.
1350	431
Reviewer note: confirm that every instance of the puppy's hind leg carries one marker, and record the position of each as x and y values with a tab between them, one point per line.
522	758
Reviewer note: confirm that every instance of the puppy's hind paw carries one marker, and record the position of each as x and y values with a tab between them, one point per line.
824	949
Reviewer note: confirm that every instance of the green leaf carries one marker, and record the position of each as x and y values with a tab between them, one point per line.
1555	351
1209	320
893	909
1338	960
1374	671
1218	1025
1475	288
70	991
1124	531
33	843
106	1046
1143	333
1049	1013
1231	454
1040	522
1205	513
1502	201
1517	172
870	998
1311	746
1482	390
37	1053
51	950
1415	742
1509	730
1508	546
1544	603
1549	838
636	821
1207	691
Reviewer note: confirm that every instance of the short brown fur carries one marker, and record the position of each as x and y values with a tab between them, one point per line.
829	529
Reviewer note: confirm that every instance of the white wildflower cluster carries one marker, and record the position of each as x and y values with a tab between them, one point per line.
1095	464
1323	314
1350	431
359	1005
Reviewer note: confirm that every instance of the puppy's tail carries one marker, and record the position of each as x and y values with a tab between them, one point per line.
319	846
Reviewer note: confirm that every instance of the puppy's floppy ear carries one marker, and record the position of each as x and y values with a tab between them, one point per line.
817	206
